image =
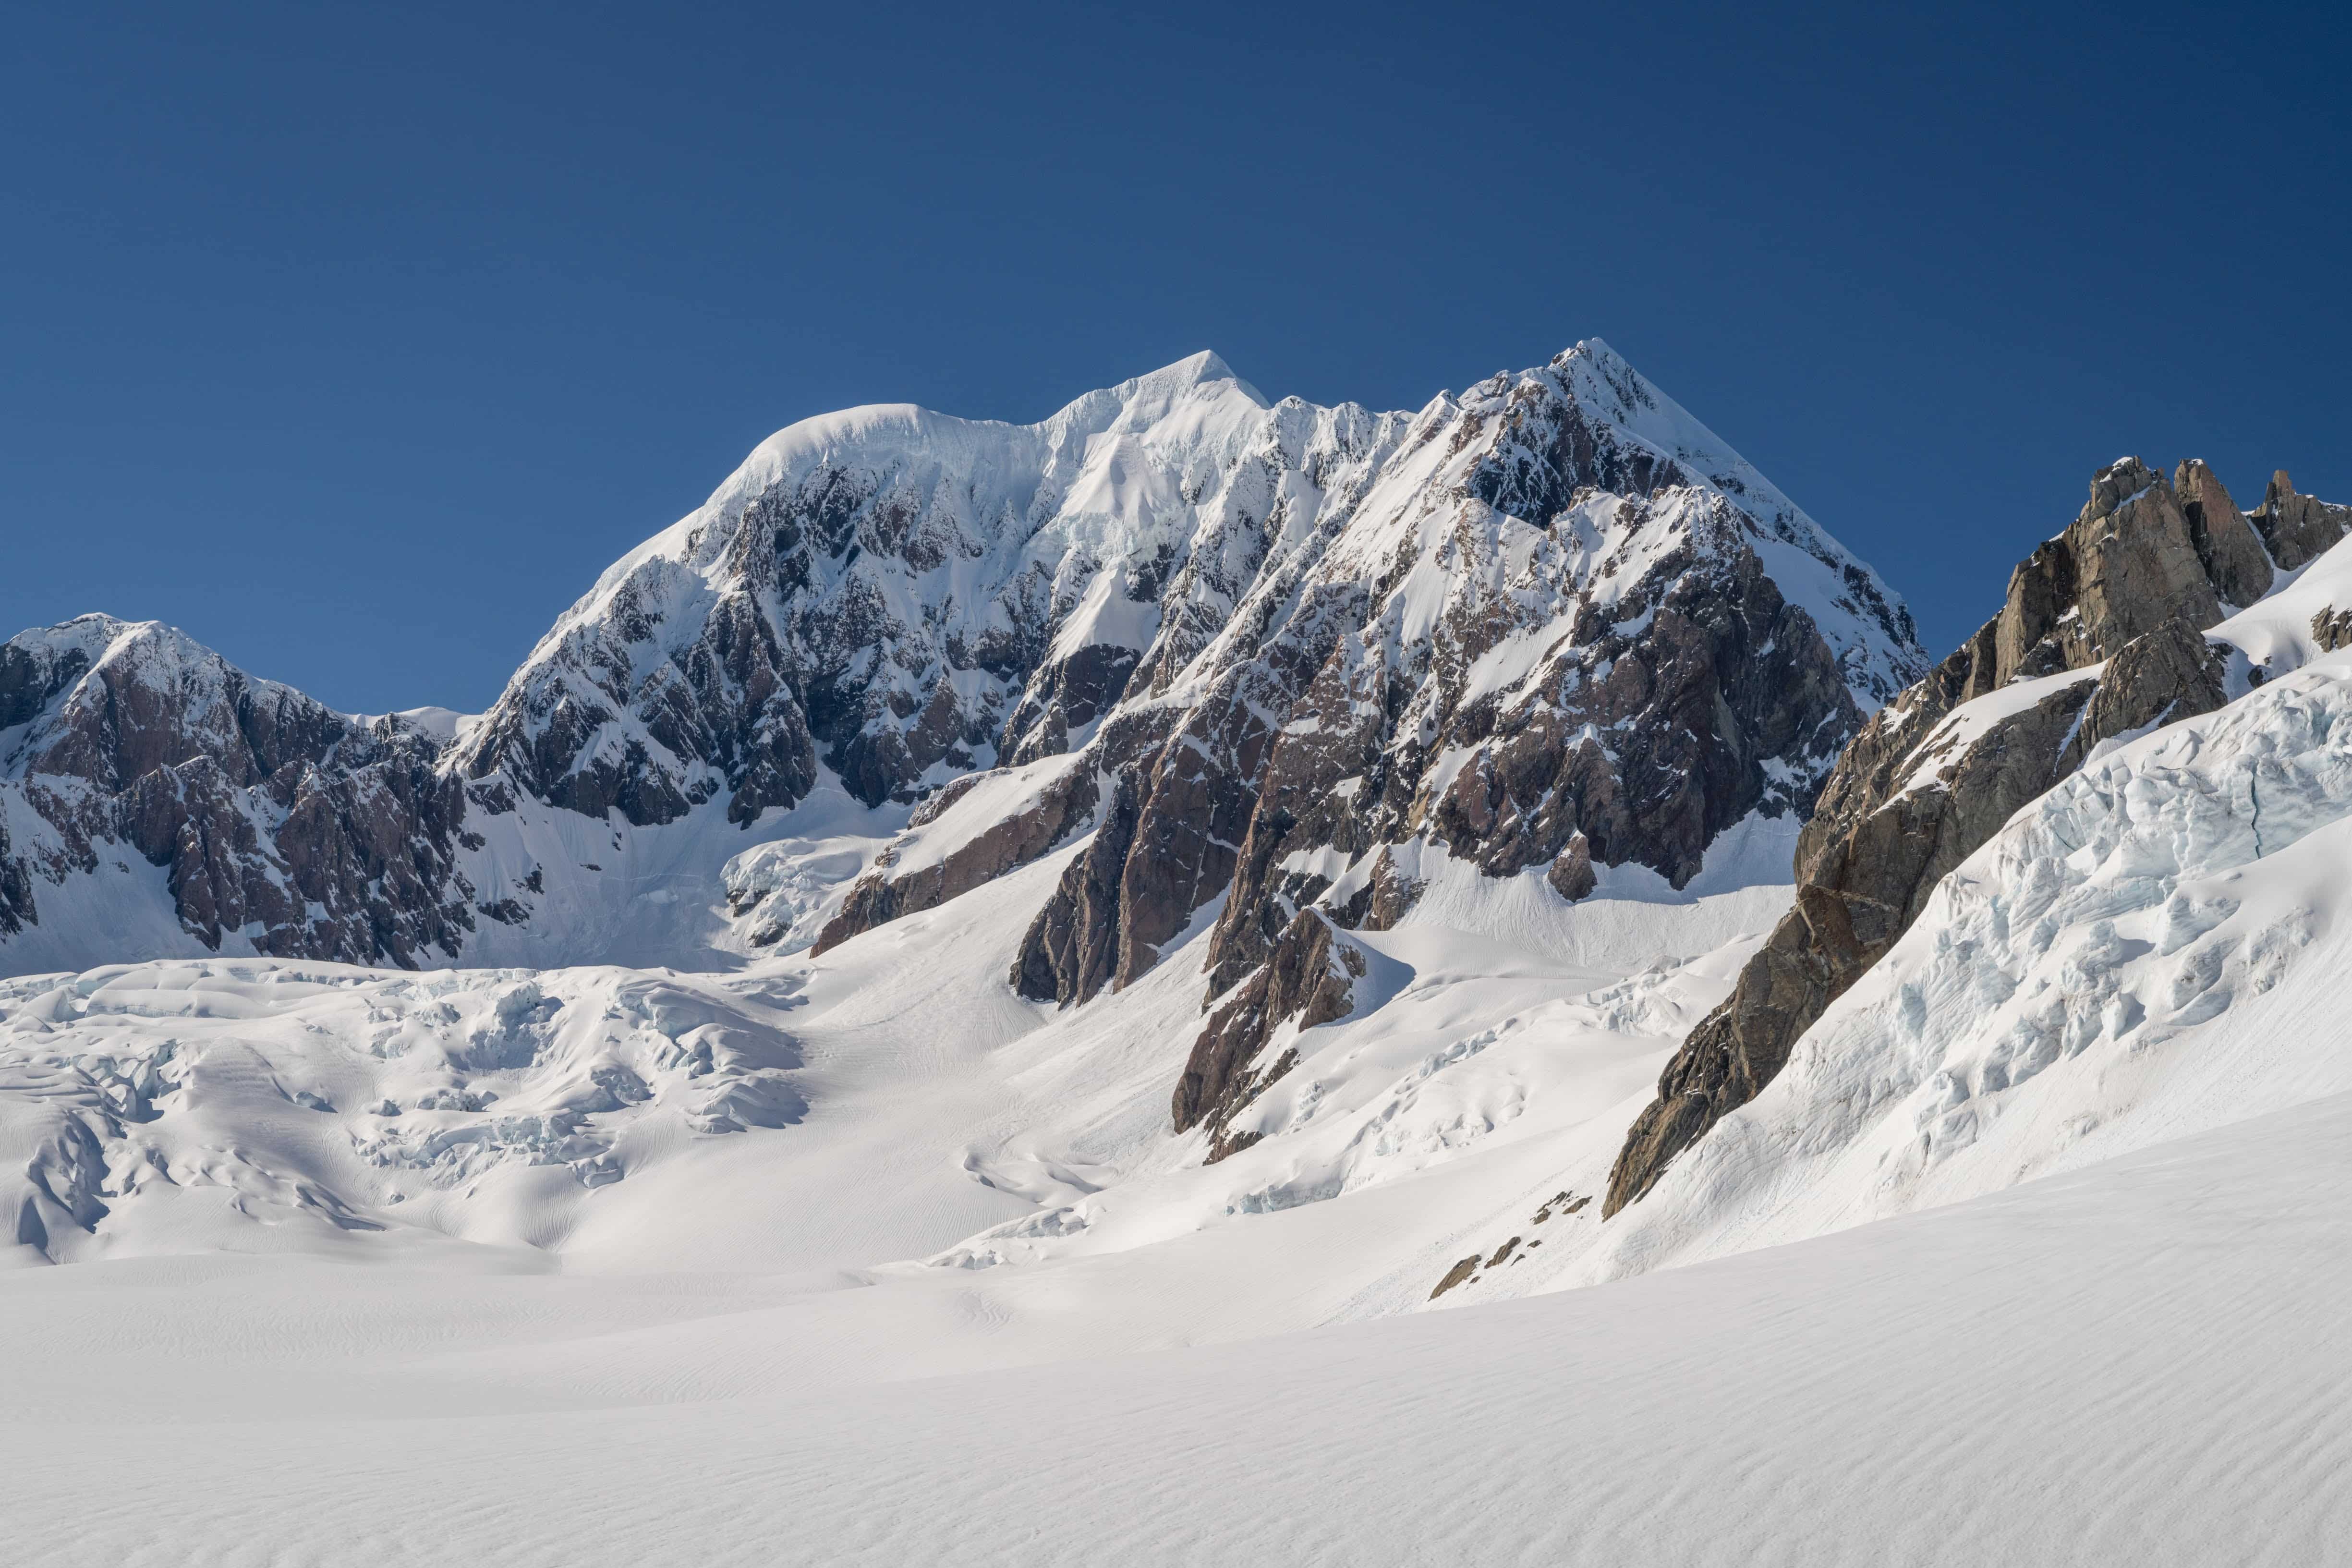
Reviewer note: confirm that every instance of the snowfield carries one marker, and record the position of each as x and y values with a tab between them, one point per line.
2137	1363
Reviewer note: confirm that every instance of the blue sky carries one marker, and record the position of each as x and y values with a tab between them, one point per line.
357	341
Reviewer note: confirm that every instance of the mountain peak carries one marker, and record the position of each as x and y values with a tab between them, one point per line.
1155	394
1206	364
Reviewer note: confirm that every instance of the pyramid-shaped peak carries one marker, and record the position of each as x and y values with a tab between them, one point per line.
1205	368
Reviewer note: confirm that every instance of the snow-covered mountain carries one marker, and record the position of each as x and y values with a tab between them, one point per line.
976	895
1557	626
1185	668
886	603
1423	739
1271	672
156	799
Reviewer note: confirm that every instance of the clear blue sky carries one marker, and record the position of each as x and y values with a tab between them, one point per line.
356	341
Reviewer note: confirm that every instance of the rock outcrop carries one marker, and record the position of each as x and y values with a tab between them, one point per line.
2128	588
1307	980
1060	805
2298	529
2235	560
1071	951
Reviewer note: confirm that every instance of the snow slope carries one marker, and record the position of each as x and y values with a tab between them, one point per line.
885	1102
2111	971
2136	1365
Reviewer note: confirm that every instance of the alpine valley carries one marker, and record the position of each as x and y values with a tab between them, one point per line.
986	996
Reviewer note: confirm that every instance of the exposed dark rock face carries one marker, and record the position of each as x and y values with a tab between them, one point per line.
2171	673
883	894
2226	544
360	866
109	702
1646	746
1571	875
2126	564
1066	694
1071	950
16	910
2133	582
275	816
1308	979
2298	529
1206	785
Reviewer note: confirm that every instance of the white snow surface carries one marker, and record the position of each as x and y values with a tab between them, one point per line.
2275	634
2159	1333
578	1112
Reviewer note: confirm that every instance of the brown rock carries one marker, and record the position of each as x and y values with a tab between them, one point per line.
2171	673
1065	694
2137	563
2233	556
2129	562
1571	876
2298	529
1456	1275
1393	893
1309	977
2125	584
1070	952
881	895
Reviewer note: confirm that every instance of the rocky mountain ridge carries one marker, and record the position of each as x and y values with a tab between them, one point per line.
2100	636
920	607
880	583
275	819
1560	625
